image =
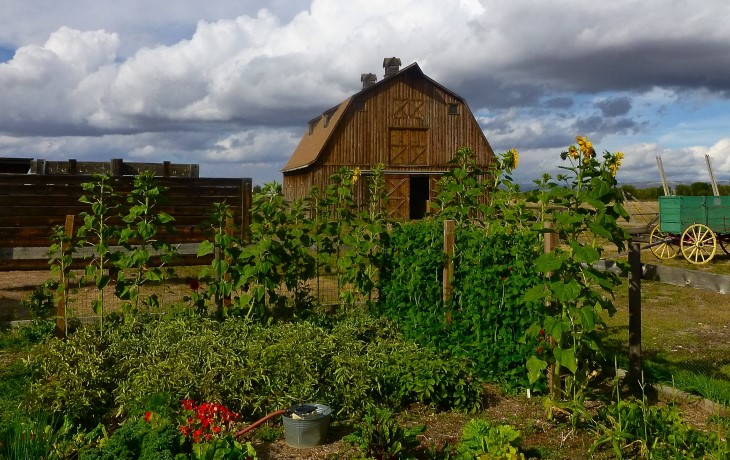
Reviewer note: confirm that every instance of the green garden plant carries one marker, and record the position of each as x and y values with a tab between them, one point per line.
97	232
379	436
252	368
141	242
636	429
61	251
584	205
481	439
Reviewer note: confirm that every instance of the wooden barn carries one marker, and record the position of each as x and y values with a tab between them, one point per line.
407	121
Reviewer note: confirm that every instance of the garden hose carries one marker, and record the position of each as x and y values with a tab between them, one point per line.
297	410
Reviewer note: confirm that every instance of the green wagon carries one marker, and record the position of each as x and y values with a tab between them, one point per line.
692	225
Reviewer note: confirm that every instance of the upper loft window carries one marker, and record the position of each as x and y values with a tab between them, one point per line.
313	123
359	105
327	117
453	109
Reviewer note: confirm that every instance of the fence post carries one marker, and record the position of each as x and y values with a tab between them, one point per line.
71	167
449	253
61	304
550	242
635	313
116	167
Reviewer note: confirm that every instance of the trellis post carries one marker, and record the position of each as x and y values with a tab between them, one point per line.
448	276
635	275
550	242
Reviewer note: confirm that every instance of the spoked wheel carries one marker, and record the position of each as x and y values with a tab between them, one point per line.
663	245
698	244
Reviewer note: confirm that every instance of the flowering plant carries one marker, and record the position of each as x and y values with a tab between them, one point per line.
206	421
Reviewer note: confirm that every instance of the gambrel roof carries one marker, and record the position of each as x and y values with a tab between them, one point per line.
321	128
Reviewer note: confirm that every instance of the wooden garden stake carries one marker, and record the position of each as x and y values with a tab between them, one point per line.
635	313
551	241
448	276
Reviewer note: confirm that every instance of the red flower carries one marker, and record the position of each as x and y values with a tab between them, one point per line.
184	430
194	284
147	416
187	404
504	278
542	331
216	429
539	350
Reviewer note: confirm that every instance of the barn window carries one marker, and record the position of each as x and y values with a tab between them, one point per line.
328	116
360	105
453	109
312	124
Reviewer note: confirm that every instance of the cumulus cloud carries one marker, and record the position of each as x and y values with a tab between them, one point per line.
225	82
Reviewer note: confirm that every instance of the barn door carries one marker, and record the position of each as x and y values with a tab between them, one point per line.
408	146
398	196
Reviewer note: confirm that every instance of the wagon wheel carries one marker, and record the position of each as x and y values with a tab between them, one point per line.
698	244
667	249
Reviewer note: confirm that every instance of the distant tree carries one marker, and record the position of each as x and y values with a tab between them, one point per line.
257	188
683	190
700	189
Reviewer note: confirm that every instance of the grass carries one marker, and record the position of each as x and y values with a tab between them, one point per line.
685	337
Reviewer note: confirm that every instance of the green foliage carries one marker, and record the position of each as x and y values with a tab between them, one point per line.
41	302
26	437
60	255
140	241
252	368
488	314
636	429
462	190
138	439
98	233
380	437
73	377
585	207
225	448
42	307
481	439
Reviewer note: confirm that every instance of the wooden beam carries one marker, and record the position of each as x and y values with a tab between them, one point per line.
635	370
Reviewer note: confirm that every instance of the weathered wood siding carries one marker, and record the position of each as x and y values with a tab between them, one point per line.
33	204
406	124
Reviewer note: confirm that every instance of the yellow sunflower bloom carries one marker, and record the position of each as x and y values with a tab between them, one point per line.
573	152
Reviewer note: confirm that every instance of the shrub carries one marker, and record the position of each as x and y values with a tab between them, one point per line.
250	368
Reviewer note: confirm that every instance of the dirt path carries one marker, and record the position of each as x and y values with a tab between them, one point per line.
15	287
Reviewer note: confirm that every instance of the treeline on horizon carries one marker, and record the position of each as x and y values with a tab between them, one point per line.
694	189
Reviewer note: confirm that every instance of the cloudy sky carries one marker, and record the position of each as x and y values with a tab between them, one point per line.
230	84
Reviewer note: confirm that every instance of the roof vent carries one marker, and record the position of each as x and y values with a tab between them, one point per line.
368	80
391	66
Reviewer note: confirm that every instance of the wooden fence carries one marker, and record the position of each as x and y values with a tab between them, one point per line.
115	167
31	205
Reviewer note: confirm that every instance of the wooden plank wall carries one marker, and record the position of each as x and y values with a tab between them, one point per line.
31	205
